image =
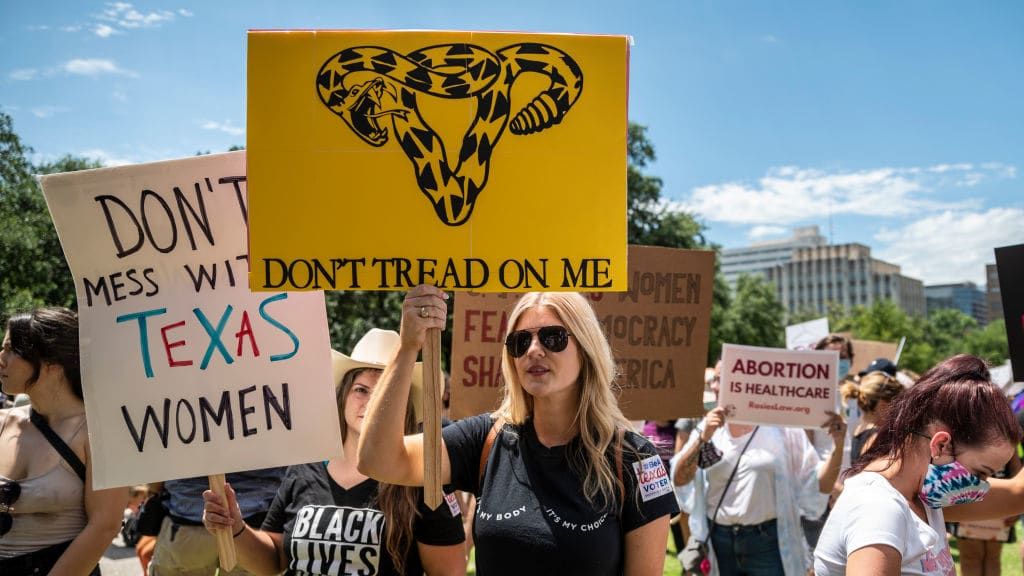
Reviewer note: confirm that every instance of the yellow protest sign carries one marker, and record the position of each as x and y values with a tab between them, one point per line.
470	160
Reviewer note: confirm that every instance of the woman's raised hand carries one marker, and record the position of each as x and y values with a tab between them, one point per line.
713	421
425	306
836	428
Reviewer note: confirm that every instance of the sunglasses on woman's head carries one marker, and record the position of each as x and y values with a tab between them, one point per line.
552	338
9	492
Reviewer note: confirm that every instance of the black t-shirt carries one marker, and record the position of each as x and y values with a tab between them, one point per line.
329	530
531	514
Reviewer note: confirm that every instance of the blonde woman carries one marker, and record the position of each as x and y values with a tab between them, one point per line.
563	484
873	395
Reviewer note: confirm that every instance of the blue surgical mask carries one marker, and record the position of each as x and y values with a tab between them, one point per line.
844	367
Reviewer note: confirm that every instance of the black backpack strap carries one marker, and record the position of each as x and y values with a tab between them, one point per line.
58	444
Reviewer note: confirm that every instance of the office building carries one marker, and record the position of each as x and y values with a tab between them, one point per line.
843	274
964	296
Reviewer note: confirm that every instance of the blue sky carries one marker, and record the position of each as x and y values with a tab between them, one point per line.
903	121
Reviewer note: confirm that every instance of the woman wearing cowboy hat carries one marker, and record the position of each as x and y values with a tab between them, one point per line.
330	519
564	485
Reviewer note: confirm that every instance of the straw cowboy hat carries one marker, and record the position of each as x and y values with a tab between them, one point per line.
374	350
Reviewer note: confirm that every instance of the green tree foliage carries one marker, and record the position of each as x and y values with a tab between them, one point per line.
650	220
33	271
929	340
755	316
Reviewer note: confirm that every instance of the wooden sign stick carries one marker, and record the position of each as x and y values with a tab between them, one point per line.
433	384
225	542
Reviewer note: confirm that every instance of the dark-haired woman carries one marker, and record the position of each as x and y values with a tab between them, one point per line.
329	519
942	440
51	519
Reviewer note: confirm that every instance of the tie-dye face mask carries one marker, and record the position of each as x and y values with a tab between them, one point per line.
949	484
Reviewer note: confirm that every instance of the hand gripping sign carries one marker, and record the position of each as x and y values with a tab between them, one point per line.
185	371
383	160
778	387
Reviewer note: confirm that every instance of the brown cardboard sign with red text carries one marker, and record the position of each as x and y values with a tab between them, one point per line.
778	387
658	331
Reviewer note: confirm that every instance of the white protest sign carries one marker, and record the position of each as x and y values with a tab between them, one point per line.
778	387
805	335
185	371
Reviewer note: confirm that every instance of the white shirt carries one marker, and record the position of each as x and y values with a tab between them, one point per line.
871	511
751	496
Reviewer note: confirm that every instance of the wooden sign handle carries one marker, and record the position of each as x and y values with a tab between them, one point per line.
225	542
433	386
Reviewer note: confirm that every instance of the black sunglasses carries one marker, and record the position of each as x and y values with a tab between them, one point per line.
9	492
553	338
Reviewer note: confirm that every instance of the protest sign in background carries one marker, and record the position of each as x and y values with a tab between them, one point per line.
185	371
658	331
473	161
1010	265
805	335
866	351
778	387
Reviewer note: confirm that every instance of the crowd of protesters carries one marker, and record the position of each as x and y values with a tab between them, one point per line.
550	481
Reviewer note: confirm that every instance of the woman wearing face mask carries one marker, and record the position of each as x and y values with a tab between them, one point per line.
943	438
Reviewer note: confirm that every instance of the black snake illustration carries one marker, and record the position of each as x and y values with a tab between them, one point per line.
447	71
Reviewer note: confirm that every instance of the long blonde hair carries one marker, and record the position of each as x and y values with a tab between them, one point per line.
597	416
872	389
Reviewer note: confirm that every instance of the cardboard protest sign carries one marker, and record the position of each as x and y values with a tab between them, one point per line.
185	371
658	331
778	387
866	351
1010	266
379	160
805	335
984	530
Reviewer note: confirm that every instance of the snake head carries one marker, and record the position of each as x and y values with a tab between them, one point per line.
362	107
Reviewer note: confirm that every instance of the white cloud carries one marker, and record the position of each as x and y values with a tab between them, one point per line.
71	28
106	158
761	232
124	15
185	13
48	111
24	74
104	31
790	194
227	127
119	96
769	39
38	28
94	67
951	246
